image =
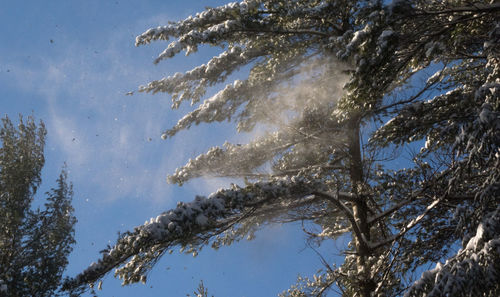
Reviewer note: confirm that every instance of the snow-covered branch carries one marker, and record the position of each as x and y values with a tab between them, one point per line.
193	224
474	269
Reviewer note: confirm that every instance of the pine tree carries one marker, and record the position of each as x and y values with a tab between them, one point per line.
34	243
383	124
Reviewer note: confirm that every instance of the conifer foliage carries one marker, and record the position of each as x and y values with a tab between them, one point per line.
347	89
34	243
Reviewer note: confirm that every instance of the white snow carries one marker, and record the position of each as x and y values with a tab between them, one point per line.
474	241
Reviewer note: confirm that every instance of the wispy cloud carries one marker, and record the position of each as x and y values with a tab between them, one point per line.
110	141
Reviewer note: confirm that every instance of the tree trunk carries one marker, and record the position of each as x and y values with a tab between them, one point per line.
360	209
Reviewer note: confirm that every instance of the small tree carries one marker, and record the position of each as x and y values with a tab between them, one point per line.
325	76
201	291
34	243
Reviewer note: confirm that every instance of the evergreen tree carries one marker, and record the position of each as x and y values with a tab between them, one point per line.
34	243
347	89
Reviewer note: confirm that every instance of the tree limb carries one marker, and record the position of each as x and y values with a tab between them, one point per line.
347	212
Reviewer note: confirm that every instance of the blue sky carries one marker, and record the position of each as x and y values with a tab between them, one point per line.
70	64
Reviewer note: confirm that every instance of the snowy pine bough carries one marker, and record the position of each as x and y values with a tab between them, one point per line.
356	89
